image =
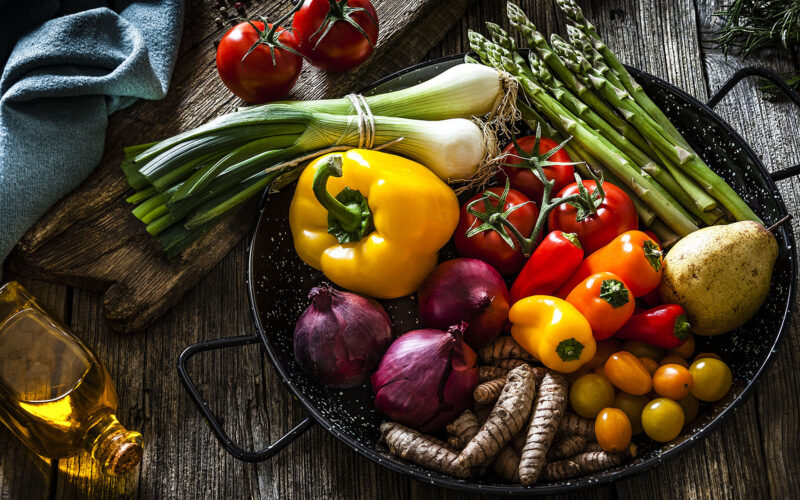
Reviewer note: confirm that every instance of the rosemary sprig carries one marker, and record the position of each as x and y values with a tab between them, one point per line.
759	27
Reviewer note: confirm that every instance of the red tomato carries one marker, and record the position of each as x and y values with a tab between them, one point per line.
489	245
521	174
255	78
327	36
615	215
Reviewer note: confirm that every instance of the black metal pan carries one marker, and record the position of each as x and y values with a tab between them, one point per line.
279	282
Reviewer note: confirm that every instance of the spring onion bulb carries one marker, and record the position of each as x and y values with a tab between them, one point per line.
187	183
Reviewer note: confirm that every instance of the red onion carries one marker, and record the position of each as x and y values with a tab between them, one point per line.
426	378
465	290
340	337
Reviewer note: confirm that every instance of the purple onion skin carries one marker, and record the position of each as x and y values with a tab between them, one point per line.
340	338
465	290
426	378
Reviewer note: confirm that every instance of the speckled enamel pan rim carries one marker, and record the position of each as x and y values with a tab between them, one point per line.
579	483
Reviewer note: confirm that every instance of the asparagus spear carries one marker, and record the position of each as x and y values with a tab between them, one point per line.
537	41
702	201
575	14
660	202
689	162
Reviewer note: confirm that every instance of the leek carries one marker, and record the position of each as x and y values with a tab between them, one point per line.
187	183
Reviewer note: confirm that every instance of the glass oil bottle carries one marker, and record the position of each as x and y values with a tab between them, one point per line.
55	396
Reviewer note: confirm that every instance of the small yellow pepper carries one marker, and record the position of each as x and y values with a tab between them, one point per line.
372	222
553	331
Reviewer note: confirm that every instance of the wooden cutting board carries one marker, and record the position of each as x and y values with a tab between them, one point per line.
89	239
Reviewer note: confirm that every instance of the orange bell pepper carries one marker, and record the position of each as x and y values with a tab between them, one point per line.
633	256
604	301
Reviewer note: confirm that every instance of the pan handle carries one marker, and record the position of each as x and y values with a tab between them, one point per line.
784	89
216	427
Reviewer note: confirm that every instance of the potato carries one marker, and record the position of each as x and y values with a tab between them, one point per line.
720	275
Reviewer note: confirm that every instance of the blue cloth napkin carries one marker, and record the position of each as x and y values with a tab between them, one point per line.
67	65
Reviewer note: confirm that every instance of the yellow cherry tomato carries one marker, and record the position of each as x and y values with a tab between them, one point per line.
642	350
686	349
632	406
673	359
590	394
626	372
613	429
672	381
662	419
690	406
649	364
712	379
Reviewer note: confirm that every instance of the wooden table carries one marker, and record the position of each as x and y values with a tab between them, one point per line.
755	453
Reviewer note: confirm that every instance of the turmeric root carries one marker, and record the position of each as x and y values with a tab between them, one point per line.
575	425
551	401
506	464
563	469
508	417
503	348
489	391
593	447
411	445
462	429
487	373
567	447
586	463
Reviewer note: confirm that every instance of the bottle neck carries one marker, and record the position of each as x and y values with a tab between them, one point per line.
116	449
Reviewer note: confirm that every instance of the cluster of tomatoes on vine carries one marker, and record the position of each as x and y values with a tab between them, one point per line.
260	61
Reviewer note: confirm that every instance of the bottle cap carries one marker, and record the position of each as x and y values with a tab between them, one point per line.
120	452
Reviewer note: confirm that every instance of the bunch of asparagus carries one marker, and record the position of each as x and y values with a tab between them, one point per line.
579	88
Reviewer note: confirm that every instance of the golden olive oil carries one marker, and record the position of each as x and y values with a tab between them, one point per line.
55	396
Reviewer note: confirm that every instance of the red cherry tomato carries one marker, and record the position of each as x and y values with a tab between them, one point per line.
254	77
615	215
489	245
522	177
329	40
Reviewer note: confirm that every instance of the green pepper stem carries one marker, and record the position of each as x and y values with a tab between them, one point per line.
349	216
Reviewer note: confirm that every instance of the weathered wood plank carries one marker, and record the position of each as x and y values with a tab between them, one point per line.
770	128
24	474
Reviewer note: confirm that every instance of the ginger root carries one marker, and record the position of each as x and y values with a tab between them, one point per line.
463	429
508	417
549	406
488	391
487	373
575	425
504	347
586	463
416	447
506	464
567	447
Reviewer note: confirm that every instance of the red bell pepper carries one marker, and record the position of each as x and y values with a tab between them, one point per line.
554	260
664	326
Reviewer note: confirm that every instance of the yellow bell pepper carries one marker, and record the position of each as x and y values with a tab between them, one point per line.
553	331
381	232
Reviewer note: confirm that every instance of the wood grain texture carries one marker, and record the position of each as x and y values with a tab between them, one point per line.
754	454
90	239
